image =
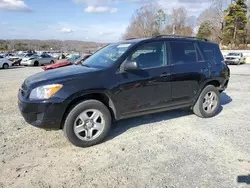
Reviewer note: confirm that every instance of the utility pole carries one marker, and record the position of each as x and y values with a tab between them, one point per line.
174	29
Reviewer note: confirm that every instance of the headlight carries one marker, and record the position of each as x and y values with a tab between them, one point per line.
45	92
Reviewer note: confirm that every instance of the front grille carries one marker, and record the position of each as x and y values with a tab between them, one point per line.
230	58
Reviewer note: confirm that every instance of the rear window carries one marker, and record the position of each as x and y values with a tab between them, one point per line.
211	51
183	52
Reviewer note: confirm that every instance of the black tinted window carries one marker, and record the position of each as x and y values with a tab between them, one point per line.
183	52
44	56
149	55
211	51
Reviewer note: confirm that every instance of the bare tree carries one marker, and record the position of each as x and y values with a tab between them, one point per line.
145	22
214	15
180	23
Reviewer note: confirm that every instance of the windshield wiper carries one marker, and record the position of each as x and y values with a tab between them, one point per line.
86	65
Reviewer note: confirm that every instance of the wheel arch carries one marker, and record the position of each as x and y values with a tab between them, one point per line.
99	96
213	82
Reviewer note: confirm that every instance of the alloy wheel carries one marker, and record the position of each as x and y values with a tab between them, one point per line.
89	125
210	102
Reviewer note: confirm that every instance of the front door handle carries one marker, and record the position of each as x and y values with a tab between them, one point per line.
165	74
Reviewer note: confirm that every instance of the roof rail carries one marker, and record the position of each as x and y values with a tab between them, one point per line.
180	36
131	38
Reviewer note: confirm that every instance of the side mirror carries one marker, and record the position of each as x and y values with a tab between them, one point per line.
130	66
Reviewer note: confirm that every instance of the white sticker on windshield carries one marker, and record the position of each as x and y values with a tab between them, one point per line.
123	46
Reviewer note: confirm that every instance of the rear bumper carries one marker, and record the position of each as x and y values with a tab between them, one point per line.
223	86
42	115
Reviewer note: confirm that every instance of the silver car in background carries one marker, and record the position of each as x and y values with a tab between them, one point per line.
235	59
38	60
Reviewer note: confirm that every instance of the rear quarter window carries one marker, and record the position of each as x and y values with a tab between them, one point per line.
211	52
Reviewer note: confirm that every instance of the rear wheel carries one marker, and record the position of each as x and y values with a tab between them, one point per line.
87	124
208	102
36	63
5	66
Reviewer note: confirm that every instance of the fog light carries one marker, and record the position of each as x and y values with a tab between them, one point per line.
39	117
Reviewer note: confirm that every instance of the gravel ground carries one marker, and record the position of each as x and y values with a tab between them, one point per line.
166	150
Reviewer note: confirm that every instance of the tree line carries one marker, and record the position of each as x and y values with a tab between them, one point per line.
48	45
227	25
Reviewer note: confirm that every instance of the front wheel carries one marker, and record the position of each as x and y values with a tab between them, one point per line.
36	63
87	124
5	66
208	102
51	62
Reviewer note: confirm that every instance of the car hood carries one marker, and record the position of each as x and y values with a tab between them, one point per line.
56	65
58	75
27	58
233	56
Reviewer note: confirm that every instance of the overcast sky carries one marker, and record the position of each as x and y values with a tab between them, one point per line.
88	20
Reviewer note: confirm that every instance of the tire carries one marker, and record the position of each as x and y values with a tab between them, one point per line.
6	66
36	63
206	112
79	113
51	62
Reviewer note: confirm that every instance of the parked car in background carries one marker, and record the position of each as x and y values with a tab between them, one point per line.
5	63
235	59
123	80
71	61
17	60
36	60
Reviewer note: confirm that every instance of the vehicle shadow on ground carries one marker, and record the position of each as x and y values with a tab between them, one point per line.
16	67
244	179
123	125
224	100
13	67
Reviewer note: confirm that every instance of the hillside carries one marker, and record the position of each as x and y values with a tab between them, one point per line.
47	45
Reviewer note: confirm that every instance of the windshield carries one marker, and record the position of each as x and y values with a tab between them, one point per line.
233	54
107	56
73	59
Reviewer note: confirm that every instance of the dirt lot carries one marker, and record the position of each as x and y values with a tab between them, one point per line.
166	150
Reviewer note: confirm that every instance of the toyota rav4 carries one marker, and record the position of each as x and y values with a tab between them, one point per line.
122	80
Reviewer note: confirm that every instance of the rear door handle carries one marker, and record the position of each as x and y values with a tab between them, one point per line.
204	70
165	74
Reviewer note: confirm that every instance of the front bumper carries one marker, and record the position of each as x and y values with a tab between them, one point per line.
41	114
232	62
29	63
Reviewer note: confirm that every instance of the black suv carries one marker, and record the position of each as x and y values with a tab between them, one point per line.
123	80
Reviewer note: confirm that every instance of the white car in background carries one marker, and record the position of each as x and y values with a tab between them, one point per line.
235	58
37	60
5	63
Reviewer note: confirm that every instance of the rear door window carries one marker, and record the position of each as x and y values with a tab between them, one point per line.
183	52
